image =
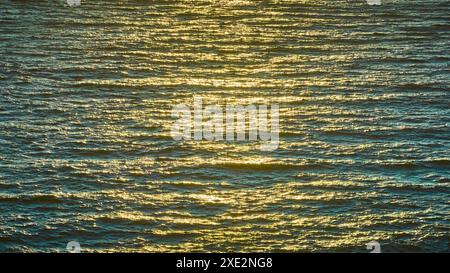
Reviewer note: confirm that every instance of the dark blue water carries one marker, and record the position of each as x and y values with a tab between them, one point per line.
85	113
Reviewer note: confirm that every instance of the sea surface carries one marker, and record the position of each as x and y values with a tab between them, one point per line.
86	154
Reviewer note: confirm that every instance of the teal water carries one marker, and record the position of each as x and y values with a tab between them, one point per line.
85	112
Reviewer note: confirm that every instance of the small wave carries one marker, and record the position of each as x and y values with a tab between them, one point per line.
359	134
440	163
267	166
423	87
31	199
95	152
415	187
412	164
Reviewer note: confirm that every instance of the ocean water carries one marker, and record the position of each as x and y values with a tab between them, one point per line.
86	154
